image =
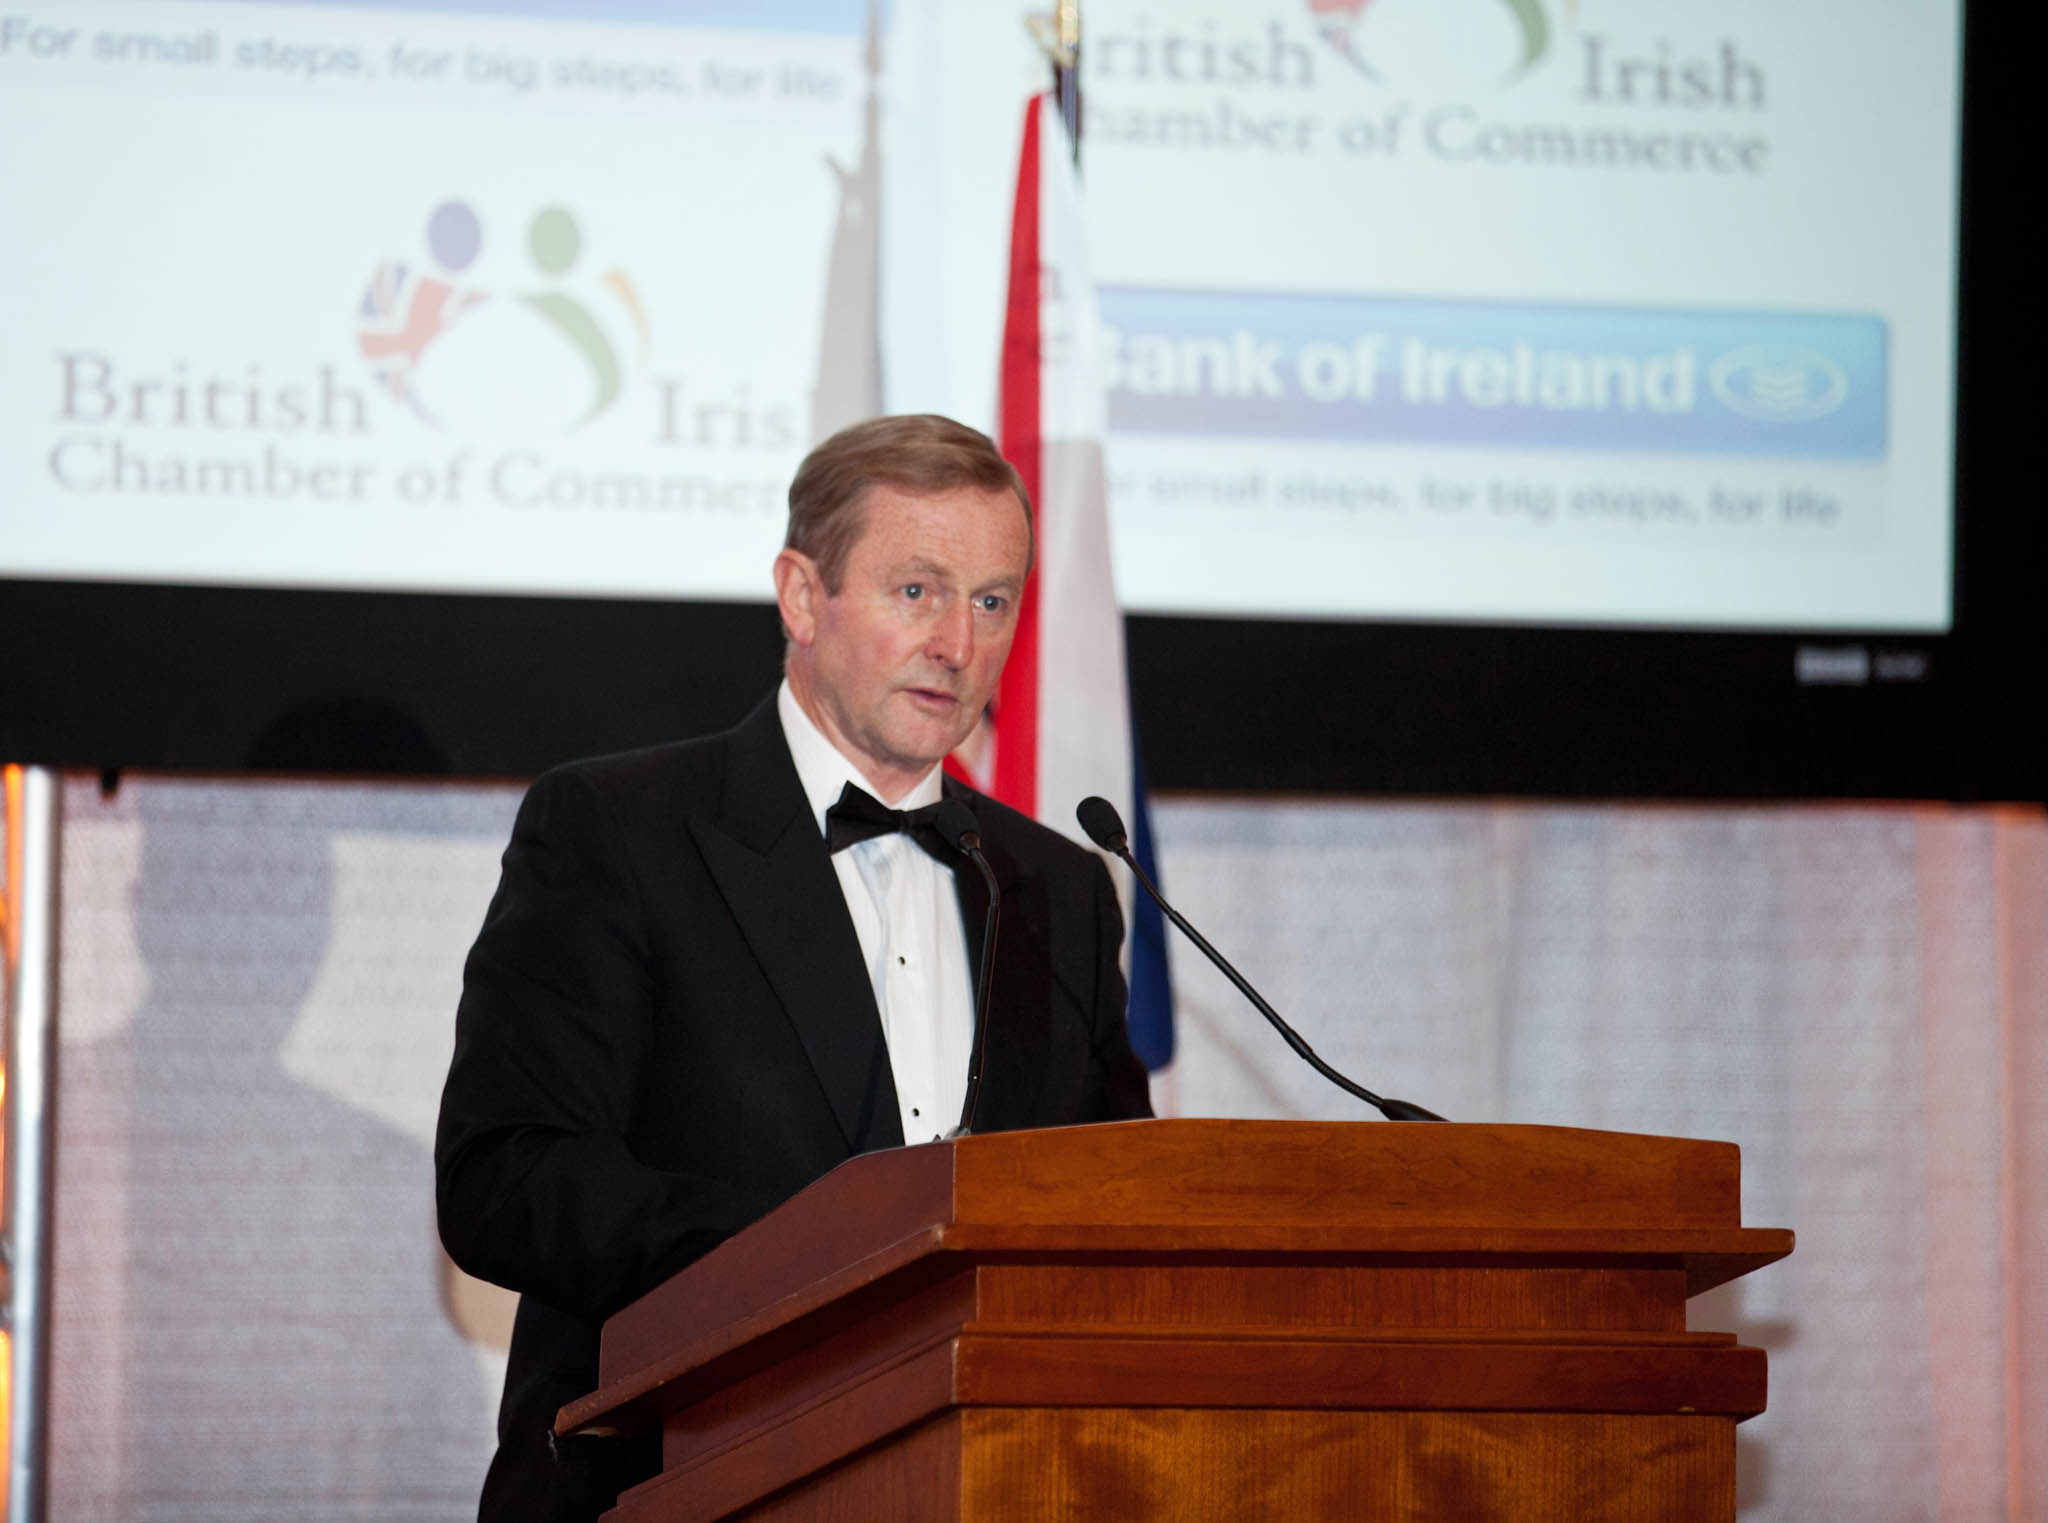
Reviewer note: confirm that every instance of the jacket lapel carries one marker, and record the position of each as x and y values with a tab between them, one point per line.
764	851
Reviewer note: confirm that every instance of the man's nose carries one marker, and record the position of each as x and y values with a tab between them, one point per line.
951	639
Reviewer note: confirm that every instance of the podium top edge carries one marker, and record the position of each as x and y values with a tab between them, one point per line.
1266	1180
1185	1172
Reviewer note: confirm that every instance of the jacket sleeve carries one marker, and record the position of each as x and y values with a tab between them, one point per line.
1118	1087
536	1185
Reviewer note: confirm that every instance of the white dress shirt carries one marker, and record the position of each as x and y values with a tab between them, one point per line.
907	916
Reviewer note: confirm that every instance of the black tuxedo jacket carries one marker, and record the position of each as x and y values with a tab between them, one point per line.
667	1029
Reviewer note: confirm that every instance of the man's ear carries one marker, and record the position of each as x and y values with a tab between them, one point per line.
798	591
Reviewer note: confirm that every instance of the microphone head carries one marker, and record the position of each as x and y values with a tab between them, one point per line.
955	821
1104	825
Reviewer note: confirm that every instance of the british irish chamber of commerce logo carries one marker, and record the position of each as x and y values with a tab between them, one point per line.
1354	30
527	338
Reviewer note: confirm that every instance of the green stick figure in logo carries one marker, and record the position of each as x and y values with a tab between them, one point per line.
554	241
1535	30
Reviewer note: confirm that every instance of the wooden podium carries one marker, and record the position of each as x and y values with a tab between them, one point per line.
1207	1320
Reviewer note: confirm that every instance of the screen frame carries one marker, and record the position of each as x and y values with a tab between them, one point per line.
116	675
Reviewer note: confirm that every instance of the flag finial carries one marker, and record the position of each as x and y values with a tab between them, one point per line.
1057	33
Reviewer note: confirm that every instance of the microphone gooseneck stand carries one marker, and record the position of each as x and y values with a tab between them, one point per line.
956	823
1106	829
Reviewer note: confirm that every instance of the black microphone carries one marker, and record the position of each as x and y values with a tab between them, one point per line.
1105	828
955	821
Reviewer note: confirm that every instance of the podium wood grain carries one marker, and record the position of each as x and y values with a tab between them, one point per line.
1191	1319
1000	1465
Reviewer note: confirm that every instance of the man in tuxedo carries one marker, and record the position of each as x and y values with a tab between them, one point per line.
714	970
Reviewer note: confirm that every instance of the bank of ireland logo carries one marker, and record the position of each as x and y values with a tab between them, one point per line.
537	342
1779	383
1347	27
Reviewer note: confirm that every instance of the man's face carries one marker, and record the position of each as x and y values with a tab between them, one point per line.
897	665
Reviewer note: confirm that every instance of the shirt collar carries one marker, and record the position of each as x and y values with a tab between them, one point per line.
824	770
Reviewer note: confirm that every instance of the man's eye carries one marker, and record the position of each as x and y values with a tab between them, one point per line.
992	602
914	591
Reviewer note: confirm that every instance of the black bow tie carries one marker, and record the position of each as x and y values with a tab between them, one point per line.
860	816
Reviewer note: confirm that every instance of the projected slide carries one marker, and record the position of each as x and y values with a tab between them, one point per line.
522	300
1535	310
1608	312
